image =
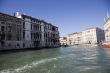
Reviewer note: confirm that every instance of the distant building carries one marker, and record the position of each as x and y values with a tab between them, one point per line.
107	28
92	36
63	40
74	38
23	31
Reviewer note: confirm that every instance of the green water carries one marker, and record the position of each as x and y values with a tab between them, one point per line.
74	59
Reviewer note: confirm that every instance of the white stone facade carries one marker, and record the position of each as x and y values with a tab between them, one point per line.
107	29
88	36
63	40
74	38
92	36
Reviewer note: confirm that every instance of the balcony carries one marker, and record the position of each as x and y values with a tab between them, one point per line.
2	33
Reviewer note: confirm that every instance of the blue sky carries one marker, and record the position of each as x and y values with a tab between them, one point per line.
69	15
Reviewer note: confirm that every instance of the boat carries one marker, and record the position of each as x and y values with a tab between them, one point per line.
76	44
105	45
64	45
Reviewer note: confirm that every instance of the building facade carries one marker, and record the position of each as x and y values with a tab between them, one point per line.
23	31
93	36
10	32
74	38
63	41
50	34
107	29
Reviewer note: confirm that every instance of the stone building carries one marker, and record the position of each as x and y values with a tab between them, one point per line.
92	35
74	38
63	41
23	31
50	35
107	28
10	32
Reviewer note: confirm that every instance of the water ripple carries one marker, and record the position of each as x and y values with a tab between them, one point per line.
34	64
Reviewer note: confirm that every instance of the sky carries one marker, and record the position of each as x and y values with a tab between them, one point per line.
69	15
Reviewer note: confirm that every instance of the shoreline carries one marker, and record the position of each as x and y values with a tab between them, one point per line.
23	49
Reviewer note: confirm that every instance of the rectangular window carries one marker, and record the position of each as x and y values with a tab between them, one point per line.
9	37
9	28
31	26
40	28
23	24
31	36
23	34
18	38
2	28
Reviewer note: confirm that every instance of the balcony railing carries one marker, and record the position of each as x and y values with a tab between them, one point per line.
2	33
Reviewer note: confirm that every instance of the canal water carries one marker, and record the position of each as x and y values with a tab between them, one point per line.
74	59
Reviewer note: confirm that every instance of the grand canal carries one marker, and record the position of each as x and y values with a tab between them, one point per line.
74	59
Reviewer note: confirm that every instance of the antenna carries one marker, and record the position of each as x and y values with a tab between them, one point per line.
108	13
104	19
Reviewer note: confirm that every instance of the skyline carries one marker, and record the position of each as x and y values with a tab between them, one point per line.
69	15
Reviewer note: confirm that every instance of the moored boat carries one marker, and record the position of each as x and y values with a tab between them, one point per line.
106	45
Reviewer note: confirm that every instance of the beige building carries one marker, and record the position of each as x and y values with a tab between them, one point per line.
63	40
74	38
92	35
107	29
